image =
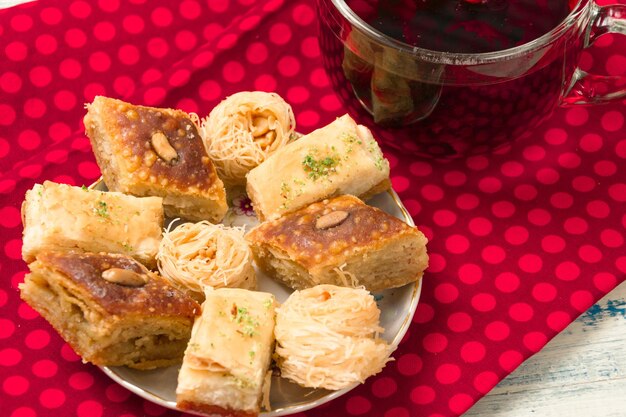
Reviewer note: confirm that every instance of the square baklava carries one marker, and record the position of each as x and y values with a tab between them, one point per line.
62	217
110	309
226	366
148	151
340	241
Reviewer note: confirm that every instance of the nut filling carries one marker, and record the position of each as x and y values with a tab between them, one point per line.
262	129
124	277
163	148
260	126
332	219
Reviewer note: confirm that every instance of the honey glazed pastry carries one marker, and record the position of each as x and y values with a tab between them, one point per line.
243	130
110	308
196	256
147	151
328	337
340	241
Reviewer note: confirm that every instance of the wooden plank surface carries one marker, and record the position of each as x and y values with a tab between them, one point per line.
581	372
10	3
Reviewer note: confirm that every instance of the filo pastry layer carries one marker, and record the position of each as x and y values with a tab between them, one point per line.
149	151
340	158
110	309
225	369
62	217
340	241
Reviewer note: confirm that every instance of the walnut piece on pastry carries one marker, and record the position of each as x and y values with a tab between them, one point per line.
340	158
226	364
110	309
340	241
148	151
63	217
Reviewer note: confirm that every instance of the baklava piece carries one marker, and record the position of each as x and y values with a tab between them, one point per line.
110	309
340	241
159	152
63	217
225	370
340	158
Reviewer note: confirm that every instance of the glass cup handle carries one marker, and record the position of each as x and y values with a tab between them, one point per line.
586	88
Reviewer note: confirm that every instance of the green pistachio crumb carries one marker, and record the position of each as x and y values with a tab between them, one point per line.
285	190
102	209
317	168
242	317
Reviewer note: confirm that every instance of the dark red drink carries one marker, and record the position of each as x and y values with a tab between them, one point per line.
462	26
473	97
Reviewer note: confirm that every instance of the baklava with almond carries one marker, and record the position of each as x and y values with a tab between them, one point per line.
340	241
148	151
110	309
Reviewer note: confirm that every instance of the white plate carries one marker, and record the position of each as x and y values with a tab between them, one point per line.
397	308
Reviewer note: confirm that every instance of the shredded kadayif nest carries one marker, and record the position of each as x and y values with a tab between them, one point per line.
328	337
194	256
243	130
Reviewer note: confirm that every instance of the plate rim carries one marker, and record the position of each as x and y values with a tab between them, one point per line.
284	411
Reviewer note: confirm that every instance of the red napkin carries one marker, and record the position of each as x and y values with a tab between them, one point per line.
521	241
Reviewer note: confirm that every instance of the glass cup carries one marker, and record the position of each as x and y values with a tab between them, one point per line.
452	104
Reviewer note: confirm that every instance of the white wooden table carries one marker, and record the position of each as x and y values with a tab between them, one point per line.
580	373
9	3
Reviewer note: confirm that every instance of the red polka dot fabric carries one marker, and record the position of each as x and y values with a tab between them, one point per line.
522	241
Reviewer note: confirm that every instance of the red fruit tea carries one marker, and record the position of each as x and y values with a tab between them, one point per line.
462	26
451	103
